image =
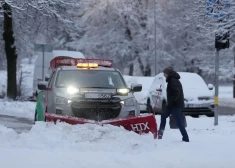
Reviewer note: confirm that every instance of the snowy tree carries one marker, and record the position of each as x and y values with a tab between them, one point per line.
210	24
19	11
217	16
124	31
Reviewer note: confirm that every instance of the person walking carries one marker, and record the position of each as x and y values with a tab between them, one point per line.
175	103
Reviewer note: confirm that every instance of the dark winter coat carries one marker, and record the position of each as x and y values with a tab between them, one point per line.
175	94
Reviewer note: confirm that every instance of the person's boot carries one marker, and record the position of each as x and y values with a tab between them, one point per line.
185	139
160	134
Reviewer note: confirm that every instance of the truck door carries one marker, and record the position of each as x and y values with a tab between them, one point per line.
50	95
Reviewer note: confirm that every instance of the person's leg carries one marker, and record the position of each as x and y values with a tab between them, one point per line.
164	116
177	114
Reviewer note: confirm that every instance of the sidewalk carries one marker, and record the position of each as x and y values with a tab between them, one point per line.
227	102
226	97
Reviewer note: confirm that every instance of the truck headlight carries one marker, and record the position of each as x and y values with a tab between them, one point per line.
72	90
123	91
61	100
128	102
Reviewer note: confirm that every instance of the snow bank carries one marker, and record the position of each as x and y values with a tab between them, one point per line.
27	84
63	145
226	91
227	102
17	108
27	70
3	82
226	96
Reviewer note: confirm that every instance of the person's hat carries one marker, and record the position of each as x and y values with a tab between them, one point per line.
168	70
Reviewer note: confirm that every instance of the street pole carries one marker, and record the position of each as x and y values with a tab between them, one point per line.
43	62
216	86
155	37
234	74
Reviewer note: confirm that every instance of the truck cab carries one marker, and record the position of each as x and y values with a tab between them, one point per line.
86	88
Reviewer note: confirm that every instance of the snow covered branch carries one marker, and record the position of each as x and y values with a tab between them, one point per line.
216	18
48	8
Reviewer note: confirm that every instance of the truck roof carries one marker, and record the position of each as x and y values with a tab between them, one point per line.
92	69
64	61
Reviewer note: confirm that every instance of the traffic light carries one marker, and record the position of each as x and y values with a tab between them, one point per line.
222	41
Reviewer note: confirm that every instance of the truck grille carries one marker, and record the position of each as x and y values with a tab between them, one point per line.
96	110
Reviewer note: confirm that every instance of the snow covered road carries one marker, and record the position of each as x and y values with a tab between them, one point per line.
46	145
19	124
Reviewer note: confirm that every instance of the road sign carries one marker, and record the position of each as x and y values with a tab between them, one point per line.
43	48
217	8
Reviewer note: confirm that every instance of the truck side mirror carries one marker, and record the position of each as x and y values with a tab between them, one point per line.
42	85
136	87
47	77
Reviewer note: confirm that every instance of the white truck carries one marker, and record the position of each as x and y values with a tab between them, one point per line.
42	74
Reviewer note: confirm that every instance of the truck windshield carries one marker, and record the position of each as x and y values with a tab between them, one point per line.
89	78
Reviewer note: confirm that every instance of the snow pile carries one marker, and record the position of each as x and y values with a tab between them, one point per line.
27	68
87	145
17	108
88	137
227	102
226	96
24	74
3	81
226	91
62	145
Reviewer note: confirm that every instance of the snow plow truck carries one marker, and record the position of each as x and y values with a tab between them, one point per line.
81	91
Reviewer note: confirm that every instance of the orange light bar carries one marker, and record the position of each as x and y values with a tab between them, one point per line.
93	65
82	65
86	65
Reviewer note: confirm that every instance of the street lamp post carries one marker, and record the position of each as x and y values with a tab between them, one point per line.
155	38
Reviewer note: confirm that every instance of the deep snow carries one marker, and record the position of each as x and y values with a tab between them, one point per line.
47	145
17	108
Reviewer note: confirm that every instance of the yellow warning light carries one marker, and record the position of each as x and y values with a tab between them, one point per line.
93	65
87	65
82	65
